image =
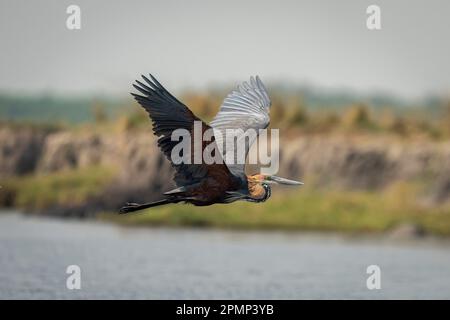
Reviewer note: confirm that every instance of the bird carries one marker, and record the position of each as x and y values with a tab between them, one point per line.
246	107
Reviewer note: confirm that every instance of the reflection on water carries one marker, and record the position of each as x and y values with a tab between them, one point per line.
140	263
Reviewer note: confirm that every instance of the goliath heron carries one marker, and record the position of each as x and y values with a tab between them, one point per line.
206	184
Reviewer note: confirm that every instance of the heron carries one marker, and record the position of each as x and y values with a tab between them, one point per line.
246	107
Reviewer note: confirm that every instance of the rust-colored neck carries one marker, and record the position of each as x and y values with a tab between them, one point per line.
255	188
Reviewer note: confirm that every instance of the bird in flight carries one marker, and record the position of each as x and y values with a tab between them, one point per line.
205	184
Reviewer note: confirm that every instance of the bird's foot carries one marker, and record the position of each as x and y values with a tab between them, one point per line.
130	207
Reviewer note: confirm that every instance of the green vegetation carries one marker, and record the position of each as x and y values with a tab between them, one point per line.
49	108
305	108
66	188
305	210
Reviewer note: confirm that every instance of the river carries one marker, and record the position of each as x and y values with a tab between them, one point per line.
160	263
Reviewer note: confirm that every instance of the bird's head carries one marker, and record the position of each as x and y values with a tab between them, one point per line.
259	186
266	179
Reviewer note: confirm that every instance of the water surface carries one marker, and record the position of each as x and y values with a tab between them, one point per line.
159	263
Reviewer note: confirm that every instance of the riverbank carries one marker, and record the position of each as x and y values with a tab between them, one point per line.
356	182
392	210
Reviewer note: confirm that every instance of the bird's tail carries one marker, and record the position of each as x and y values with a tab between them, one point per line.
131	207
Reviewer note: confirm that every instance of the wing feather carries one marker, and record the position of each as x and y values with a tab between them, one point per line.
245	108
168	114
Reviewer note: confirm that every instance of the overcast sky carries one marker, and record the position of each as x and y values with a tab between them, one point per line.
196	43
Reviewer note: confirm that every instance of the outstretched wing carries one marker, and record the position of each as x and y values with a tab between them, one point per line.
246	108
167	115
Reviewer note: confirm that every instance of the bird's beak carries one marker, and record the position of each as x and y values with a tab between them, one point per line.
279	180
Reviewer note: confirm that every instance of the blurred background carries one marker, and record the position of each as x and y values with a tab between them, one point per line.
364	119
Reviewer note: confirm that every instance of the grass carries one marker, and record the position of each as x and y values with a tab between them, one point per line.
68	187
303	210
307	208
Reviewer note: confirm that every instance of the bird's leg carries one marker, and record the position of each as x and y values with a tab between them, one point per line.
130	207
